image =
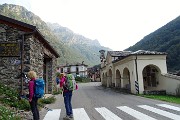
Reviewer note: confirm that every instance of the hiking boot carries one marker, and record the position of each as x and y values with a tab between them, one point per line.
71	116
67	118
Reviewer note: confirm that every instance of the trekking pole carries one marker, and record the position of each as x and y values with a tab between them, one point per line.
46	108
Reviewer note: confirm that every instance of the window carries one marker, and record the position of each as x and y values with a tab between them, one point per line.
77	70
61	70
151	76
68	69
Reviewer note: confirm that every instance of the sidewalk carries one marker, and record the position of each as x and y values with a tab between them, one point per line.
47	95
59	104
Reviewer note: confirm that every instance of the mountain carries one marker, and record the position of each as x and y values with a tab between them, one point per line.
72	47
165	39
69	36
83	45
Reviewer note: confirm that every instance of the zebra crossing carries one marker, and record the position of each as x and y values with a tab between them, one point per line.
80	113
135	113
107	114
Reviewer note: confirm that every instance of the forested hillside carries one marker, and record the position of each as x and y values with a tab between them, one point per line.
165	39
72	48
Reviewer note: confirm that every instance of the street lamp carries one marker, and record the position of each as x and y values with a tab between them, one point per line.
102	57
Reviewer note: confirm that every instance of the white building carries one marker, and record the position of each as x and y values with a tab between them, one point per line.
138	72
78	69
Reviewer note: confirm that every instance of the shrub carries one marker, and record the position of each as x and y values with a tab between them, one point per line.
10	97
24	105
48	100
6	114
82	79
56	92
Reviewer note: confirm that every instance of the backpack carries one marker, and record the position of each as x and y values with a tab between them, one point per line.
39	88
70	83
57	80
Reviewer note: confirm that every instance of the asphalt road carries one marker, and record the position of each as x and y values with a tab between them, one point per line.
94	102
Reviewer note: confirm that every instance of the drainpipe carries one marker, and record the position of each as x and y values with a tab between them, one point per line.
136	82
22	58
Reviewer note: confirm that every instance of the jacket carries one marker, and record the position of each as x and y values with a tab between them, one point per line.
31	88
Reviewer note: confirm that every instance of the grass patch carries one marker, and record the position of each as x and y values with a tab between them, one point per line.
167	98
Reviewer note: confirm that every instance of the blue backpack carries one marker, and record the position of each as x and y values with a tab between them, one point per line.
57	80
39	88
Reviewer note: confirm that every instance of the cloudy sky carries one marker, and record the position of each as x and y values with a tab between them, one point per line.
116	24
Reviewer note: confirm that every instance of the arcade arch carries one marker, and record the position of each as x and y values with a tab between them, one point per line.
110	78
106	82
126	79
103	79
118	79
151	74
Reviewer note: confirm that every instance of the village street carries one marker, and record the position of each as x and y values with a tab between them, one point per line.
93	102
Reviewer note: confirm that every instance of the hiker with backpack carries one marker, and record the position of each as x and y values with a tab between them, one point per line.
57	82
67	85
36	90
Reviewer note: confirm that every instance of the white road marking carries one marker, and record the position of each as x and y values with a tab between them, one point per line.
108	115
161	112
169	107
80	114
136	114
53	115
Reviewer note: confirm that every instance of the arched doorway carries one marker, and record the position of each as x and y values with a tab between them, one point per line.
110	78
126	79
118	79
105	79
47	73
151	75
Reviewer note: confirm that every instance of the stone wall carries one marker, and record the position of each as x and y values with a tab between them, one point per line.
34	55
171	83
10	67
54	66
33	59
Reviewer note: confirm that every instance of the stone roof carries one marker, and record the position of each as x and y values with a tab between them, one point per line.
144	52
139	52
119	53
122	54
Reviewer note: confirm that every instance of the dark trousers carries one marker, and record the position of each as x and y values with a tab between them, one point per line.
67	101
34	108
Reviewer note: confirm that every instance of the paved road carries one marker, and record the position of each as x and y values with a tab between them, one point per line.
93	102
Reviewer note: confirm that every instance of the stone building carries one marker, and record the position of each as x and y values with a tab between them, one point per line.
23	48
77	69
138	72
94	73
